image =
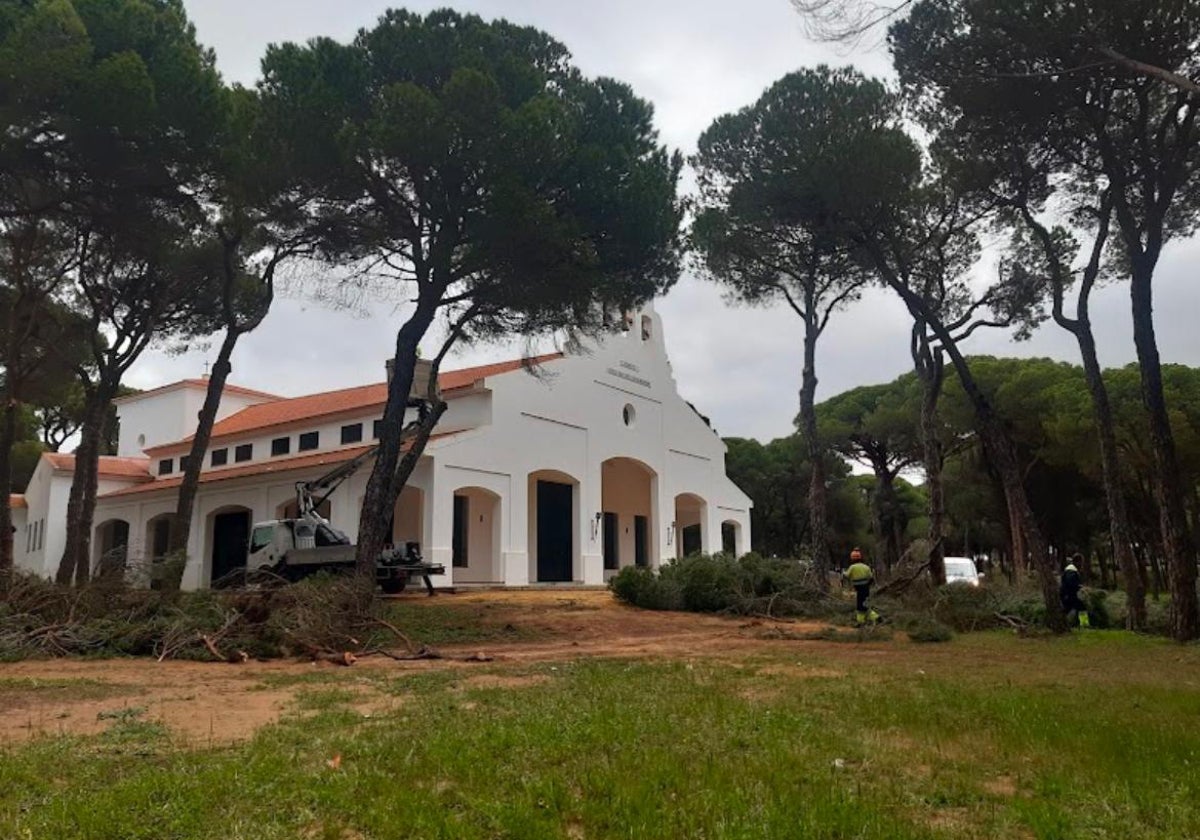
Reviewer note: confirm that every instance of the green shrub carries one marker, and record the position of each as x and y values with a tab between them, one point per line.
1097	604
926	629
641	587
966	608
750	585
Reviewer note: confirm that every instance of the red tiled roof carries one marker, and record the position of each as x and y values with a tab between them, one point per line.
16	500
349	400
276	465
202	384
110	466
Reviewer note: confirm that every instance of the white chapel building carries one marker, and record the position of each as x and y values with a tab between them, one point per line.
563	468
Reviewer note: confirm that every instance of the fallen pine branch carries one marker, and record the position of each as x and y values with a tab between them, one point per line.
425	652
1018	624
900	584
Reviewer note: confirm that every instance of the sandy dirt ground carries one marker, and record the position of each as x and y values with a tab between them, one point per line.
217	703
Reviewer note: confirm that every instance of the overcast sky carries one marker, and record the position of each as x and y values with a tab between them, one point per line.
695	60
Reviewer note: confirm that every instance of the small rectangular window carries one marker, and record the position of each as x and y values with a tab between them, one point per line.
310	440
220	457
166	466
244	452
352	433
184	460
376	428
281	446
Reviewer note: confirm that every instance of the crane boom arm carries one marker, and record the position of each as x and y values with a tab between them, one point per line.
324	486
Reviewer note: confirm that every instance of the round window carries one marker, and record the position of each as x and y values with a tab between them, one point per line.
629	413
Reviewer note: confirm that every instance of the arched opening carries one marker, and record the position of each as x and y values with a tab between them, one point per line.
691	516
228	539
408	519
158	545
158	537
628	492
476	538
291	510
110	547
731	538
553	537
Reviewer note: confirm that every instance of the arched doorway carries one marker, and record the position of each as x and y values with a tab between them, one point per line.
158	537
553	537
628	495
731	538
408	518
229	538
691	516
476	538
110	547
158	545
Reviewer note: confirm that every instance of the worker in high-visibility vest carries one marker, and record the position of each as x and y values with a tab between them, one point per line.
860	576
1068	592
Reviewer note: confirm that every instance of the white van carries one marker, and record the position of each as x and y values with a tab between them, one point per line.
962	570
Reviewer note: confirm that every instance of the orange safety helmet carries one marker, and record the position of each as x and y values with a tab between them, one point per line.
856	554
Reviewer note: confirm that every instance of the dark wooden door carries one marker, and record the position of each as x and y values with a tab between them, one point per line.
231	536
458	540
641	546
612	549
555	531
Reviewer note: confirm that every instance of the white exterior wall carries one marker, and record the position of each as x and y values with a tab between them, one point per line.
169	416
46	512
569	421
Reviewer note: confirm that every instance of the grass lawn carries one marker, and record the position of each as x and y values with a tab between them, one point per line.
1095	735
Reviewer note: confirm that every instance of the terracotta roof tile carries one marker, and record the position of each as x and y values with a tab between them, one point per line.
276	465
349	400
110	466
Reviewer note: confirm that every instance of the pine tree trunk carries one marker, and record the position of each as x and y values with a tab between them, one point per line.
382	492
1168	487
931	373
181	525
817	515
890	530
76	563
8	434
1110	471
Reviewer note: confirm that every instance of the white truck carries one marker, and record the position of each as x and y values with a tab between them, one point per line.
295	548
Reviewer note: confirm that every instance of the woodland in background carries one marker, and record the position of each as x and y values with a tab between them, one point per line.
1045	406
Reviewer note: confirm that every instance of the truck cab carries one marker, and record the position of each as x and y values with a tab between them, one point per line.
282	543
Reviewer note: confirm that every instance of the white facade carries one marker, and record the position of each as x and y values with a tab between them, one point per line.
528	479
168	414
